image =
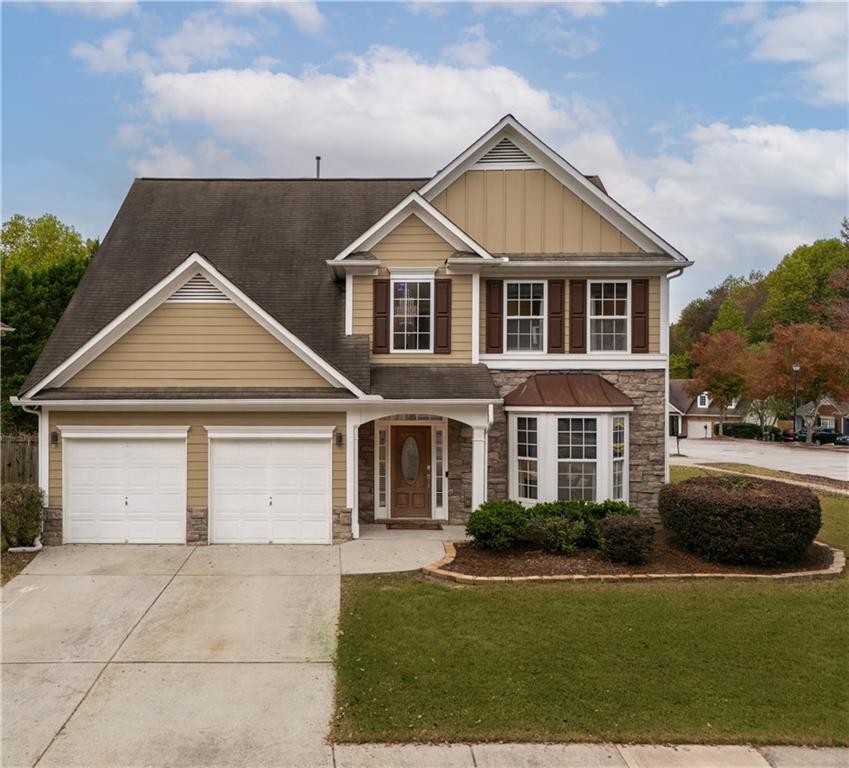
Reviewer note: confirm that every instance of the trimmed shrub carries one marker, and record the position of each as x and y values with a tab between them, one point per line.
748	431
556	534
497	524
589	513
626	539
20	514
741	520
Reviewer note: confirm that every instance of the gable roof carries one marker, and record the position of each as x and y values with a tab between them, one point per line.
269	237
687	404
588	189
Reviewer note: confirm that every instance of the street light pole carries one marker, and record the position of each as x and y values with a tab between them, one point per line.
796	367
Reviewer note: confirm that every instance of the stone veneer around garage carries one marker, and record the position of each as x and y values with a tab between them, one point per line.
646	438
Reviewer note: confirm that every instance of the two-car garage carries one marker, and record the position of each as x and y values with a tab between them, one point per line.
135	484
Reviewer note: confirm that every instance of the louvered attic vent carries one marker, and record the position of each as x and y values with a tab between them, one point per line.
505	153
198	290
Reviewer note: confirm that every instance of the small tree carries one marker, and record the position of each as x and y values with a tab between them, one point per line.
720	361
823	358
763	401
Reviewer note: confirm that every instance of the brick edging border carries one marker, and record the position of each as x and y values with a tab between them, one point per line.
436	570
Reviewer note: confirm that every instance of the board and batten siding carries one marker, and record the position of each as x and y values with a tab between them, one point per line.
198	441
528	211
194	345
413	244
654	307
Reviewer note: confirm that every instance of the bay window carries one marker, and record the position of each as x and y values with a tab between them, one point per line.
524	316
608	317
561	456
412	316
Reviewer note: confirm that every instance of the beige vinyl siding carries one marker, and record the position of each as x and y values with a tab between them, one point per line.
528	211
413	244
185	345
654	309
198	441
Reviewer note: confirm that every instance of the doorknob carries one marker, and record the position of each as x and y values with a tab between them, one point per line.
125	501
269	501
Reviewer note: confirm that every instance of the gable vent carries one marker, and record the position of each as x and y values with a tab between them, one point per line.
198	290
505	152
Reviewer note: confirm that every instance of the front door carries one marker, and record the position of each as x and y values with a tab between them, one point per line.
410	471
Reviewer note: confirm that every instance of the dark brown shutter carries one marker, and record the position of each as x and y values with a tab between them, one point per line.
556	295
640	316
577	315
442	317
494	315
380	311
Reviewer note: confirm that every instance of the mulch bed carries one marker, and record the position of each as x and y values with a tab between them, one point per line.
527	560
12	563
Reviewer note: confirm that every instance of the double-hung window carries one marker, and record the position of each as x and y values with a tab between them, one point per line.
527	447
608	315
618	457
524	315
412	315
577	456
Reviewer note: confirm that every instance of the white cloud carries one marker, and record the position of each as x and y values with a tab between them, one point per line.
99	9
586	8
110	54
812	35
562	38
473	49
200	39
427	8
578	9
305	16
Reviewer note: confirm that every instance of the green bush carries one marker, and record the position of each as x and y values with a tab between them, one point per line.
748	431
556	534
626	539
497	524
741	520
20	514
589	513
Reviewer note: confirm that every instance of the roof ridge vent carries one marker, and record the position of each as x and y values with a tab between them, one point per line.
505	152
198	290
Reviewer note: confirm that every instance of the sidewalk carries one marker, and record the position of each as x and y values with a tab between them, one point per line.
582	756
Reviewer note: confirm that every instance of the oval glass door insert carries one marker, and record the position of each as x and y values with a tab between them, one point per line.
410	459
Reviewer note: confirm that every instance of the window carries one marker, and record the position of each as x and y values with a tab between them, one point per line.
674	425
440	468
381	468
576	459
411	315
608	317
827	422
618	455
525	317
703	400
526	451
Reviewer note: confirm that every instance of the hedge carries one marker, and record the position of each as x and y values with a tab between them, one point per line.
20	514
747	431
740	520
626	539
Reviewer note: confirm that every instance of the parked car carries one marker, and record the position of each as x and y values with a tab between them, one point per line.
842	440
820	436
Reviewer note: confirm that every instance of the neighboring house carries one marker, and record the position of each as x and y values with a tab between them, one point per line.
695	417
830	414
279	360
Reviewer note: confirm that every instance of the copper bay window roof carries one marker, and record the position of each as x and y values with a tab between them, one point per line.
567	390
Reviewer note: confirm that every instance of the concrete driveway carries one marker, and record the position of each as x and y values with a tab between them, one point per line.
825	461
119	656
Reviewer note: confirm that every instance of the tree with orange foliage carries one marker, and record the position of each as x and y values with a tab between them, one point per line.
720	361
823	358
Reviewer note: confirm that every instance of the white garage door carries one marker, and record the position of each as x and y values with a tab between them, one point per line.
268	489
696	429
124	489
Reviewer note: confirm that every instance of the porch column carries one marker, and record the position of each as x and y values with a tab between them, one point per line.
479	450
352	465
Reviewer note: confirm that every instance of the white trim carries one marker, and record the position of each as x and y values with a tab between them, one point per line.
412	273
625	261
122	433
476	330
574	362
664	316
270	433
143	306
543	318
44	453
349	303
431	302
626	317
414	203
252	405
558	167
699	398
613	409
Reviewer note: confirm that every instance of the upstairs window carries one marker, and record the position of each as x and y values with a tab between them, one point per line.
524	315
703	400
412	317
608	314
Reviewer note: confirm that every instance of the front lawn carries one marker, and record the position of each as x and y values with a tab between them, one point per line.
764	663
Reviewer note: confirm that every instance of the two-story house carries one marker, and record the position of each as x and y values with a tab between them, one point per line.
279	360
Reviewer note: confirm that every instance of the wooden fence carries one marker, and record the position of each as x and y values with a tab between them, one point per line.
20	458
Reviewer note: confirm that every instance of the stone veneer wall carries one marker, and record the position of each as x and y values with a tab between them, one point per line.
197	525
647	429
459	471
51	533
365	475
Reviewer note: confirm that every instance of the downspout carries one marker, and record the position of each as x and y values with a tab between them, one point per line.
669	276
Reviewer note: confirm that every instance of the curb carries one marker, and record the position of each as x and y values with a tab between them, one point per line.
826	489
437	571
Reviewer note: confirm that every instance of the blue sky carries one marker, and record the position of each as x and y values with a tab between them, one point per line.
722	125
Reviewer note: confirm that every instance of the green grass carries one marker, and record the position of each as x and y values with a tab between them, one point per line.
680	662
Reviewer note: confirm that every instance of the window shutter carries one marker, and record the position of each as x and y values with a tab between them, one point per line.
577	315
494	315
442	317
380	312
640	316
556	295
